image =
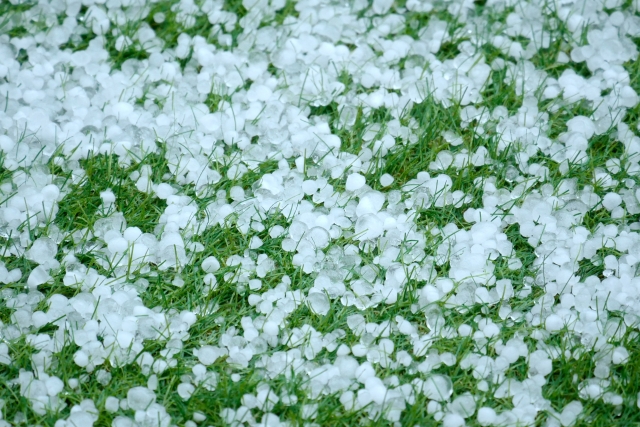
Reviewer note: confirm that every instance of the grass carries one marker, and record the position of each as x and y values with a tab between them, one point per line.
224	308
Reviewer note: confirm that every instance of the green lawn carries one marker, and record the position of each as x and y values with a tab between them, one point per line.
507	245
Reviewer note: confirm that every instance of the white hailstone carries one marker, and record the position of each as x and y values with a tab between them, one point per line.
510	353
463	405
276	231
376	388
611	201
107	197
386	180
570	413
309	411
54	386
50	192
118	245
208	354
343	350
368	227
539	363
453	420
210	281
103	377
362	372
271	328
80	419
370	203
210	264
486	416
131	234
42	250
381	7
178	282
5	359
140	398
164	190
465	330
255	284
38	276
355	181
255	242
6	143
309	187
319	237
437	387
553	323
620	355
582	125
152	382
112	404
185	390
318	303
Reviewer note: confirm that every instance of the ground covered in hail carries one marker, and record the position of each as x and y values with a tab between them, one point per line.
324	212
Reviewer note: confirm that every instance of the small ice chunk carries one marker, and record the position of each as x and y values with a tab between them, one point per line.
463	405
486	416
152	382
453	420
210	264
553	323
319	303
118	245
309	187
620	355
207	354
369	227
465	330
370	203
178	282
270	327
355	181
437	387
42	250
583	125
611	201
54	385
185	390
255	242
319	236
381	7
140	398
164	190
50	192
386	180
309	411
570	413
276	231
38	276
79	418
377	389
112	404
107	197
364	372
131	234
103	377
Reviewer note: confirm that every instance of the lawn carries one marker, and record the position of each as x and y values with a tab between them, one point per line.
319	213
